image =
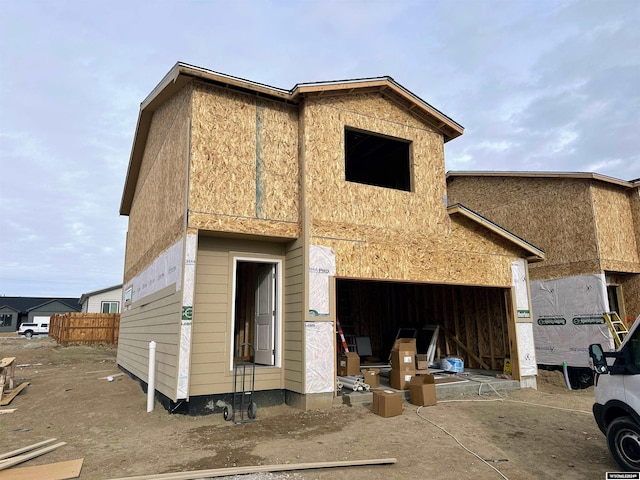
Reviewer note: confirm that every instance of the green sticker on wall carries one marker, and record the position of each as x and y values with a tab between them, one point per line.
187	313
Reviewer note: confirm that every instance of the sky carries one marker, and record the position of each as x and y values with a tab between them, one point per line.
538	85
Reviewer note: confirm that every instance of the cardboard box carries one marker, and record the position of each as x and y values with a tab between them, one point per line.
387	403
405	344
348	364
403	360
400	380
422	362
422	390
371	376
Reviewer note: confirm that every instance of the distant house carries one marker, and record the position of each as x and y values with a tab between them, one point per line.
17	310
107	300
589	227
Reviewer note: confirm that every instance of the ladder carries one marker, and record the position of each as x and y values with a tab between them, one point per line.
348	341
616	326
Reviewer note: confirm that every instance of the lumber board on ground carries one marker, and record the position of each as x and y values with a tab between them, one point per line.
26	449
7	400
52	471
224	472
10	462
7	410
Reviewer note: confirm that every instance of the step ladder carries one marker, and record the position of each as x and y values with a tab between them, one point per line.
348	342
616	326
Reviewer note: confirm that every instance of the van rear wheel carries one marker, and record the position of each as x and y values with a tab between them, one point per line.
623	438
28	334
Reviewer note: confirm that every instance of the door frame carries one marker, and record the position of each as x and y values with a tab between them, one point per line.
278	320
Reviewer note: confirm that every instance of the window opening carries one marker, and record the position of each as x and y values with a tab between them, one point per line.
110	307
377	160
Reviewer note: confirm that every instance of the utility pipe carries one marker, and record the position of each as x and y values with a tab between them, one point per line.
349	382
566	374
151	384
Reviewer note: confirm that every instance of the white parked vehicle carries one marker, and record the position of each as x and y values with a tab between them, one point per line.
31	329
617	392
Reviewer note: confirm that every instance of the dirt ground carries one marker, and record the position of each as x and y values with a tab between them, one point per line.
106	423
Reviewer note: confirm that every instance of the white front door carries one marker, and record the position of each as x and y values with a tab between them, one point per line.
265	314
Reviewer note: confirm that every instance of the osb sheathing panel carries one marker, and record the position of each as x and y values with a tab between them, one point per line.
252	226
555	215
631	292
447	261
410	263
634	203
615	224
350	206
171	233
157	212
244	156
542	271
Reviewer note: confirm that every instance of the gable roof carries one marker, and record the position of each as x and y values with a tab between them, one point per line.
3	306
85	296
181	74
53	300
26	304
535	254
566	175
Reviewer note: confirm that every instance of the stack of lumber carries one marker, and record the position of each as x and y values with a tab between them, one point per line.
52	471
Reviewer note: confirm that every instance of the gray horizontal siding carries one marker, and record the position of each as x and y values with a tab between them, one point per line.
157	318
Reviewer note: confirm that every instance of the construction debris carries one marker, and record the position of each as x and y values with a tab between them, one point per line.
7	372
6	400
17	456
353	382
52	471
224	472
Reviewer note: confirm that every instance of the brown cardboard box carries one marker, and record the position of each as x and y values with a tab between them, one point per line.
422	390
422	362
405	344
348	364
387	403
400	380
404	360
371	376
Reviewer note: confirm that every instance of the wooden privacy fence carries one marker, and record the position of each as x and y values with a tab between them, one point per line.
85	328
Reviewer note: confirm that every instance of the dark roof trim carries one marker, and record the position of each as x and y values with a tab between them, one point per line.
47	303
85	296
535	254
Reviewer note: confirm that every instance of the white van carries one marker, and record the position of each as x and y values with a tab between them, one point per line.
617	392
31	329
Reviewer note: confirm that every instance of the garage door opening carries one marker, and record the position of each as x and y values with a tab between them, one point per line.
472	321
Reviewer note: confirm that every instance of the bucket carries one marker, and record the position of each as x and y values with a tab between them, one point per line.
452	364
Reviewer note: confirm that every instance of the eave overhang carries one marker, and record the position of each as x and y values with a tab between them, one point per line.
534	254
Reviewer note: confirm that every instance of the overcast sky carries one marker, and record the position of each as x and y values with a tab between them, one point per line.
538	85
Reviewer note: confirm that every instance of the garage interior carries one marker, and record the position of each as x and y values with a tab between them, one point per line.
472	320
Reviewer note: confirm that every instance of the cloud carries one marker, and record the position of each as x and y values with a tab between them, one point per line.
545	85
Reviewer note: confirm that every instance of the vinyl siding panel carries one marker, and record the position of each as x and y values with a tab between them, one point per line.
157	318
94	302
294	317
211	370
